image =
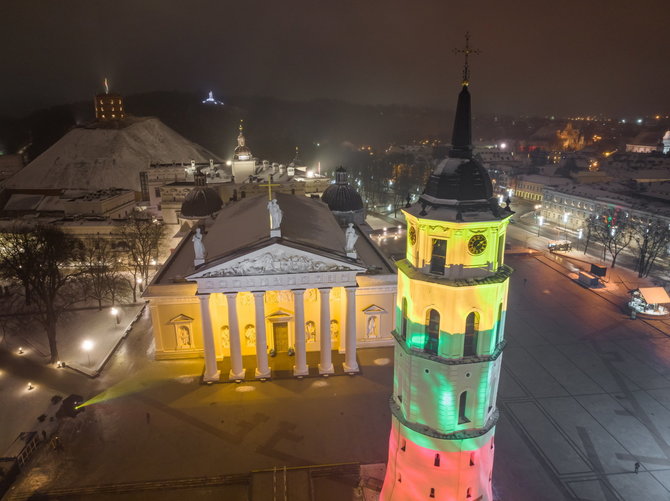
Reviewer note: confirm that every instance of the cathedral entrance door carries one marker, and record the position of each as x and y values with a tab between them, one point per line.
280	332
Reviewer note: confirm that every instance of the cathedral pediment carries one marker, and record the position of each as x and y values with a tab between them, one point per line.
275	259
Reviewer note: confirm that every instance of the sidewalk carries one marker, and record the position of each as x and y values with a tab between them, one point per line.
28	382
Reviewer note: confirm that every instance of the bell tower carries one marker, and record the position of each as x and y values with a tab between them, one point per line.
452	300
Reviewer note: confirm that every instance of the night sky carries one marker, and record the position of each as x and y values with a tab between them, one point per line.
564	58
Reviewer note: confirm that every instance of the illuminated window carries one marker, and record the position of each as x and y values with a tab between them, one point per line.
432	332
462	402
403	320
471	335
438	256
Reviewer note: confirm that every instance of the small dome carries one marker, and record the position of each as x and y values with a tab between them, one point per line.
201	202
341	196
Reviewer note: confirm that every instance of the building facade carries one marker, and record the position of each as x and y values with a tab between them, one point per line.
258	292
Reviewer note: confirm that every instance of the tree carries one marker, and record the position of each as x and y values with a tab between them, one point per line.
614	231
100	270
651	239
141	239
42	258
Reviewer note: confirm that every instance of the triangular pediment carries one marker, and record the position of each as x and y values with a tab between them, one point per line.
279	314
275	259
181	318
374	309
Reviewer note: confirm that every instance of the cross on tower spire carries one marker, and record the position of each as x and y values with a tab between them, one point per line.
466	51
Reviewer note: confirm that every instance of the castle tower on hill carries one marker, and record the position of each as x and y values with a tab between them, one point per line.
452	300
109	106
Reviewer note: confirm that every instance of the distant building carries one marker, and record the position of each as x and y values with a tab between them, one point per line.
109	106
648	141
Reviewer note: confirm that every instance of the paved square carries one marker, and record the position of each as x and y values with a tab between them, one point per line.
585	393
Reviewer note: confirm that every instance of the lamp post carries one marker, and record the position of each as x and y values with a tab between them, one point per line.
87	346
566	215
540	222
139	284
115	314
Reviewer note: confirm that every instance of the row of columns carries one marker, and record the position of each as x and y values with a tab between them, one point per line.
237	371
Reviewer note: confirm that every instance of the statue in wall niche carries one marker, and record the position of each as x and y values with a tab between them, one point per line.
184	337
225	336
334	330
310	331
351	237
198	246
372	327
250	335
275	214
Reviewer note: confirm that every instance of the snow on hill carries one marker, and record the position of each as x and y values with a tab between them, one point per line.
107	155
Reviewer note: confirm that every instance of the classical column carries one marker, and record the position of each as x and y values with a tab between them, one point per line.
326	364
236	366
350	365
212	372
262	367
300	368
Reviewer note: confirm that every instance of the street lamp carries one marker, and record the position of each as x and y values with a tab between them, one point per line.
115	314
87	346
139	283
540	222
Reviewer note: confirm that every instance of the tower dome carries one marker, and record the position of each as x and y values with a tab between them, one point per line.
242	152
341	196
459	179
202	201
343	199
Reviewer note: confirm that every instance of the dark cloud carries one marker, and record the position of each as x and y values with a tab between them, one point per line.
538	57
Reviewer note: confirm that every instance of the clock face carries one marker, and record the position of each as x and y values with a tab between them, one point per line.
477	244
412	235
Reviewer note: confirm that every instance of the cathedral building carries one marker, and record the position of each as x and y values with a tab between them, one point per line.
268	283
451	304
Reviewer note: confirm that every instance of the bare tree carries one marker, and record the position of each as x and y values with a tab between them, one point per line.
100	269
141	237
651	240
614	231
42	258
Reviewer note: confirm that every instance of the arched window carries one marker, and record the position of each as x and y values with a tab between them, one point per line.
403	319
471	334
498	328
432	331
462	402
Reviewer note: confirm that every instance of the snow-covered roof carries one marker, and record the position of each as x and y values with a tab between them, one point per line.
93	158
239	228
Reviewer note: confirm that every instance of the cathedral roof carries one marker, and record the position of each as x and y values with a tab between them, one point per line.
243	227
341	196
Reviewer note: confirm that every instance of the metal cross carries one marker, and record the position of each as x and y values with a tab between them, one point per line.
269	184
467	50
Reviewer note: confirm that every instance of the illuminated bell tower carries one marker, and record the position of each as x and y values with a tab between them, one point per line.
452	299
